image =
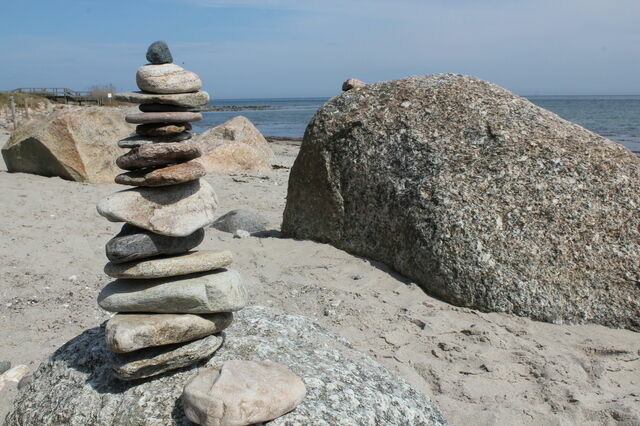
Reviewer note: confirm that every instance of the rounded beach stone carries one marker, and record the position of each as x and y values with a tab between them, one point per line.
130	332
176	210
159	53
153	361
166	108
241	219
167	78
163	117
204	293
158	155
137	140
172	175
134	243
161	129
242	393
189	263
194	99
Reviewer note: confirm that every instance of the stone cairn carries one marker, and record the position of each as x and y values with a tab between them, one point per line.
171	302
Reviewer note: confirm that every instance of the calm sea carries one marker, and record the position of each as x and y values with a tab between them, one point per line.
615	117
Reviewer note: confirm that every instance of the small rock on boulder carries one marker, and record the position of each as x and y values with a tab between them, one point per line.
75	144
483	198
234	146
76	386
352	83
159	53
242	393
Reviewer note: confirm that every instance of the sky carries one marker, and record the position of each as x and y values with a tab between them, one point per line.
299	48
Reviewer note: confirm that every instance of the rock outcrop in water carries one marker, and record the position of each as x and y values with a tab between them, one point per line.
483	198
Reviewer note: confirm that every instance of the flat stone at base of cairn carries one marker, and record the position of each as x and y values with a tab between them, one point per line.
134	243
163	117
158	155
130	332
203	293
137	140
161	129
242	393
162	267
195	99
153	361
166	108
171	175
159	53
176	210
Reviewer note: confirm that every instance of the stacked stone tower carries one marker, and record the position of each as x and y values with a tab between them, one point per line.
171	302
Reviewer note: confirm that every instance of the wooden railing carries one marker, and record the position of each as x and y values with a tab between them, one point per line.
60	93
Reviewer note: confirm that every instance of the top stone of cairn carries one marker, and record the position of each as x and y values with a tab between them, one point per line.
159	53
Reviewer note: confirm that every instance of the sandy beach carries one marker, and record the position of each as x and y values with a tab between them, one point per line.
480	368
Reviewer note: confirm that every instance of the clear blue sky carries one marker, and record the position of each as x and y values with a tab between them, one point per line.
298	48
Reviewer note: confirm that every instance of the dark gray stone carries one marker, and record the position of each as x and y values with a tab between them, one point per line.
76	385
4	366
158	155
136	243
166	108
149	362
137	140
159	53
241	219
480	196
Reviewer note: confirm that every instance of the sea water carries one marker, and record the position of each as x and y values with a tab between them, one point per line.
615	117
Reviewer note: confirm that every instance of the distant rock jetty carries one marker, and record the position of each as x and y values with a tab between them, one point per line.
238	107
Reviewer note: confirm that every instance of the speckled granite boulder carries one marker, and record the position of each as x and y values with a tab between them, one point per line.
483	198
76	386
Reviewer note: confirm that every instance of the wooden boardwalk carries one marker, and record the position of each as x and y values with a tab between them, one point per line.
61	94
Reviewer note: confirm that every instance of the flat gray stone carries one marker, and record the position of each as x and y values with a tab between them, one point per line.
242	393
159	53
171	175
181	99
162	267
158	155
176	210
166	108
130	332
153	361
204	293
163	117
162	129
136	243
241	219
76	386
137	140
167	78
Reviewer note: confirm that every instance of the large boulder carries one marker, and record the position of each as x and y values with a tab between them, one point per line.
234	146
76	144
483	198
75	386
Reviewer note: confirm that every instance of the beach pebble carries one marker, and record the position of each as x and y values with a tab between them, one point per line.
4	366
242	393
171	175
176	210
204	293
130	332
13	375
159	53
167	78
25	381
161	129
136	243
245	219
137	140
189	263
194	99
153	361
241	233
352	83
158	155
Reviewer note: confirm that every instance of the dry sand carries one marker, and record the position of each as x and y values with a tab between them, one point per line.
483	369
